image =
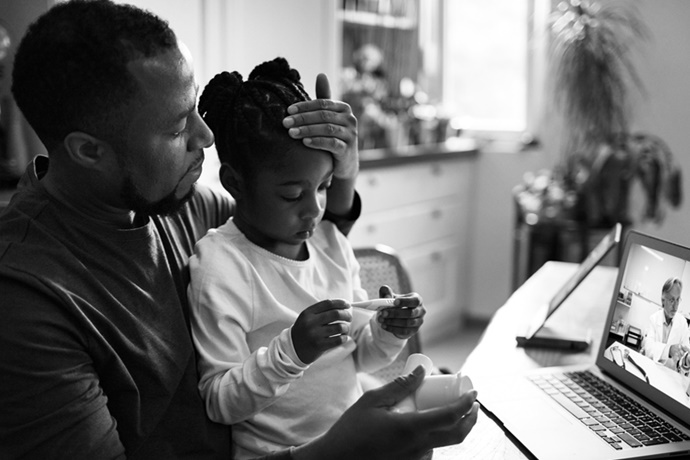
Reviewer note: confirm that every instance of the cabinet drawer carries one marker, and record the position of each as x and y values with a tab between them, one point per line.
411	225
383	189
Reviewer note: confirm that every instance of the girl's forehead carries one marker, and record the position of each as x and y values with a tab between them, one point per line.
298	162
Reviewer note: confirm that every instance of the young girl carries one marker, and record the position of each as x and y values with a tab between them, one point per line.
279	345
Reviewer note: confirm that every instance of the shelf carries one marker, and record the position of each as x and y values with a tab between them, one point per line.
366	18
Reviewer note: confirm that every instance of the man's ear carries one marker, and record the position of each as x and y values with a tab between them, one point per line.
86	150
231	180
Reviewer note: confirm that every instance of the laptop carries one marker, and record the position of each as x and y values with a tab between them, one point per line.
555	412
538	333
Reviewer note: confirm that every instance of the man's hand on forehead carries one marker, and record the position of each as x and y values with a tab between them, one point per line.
323	87
328	125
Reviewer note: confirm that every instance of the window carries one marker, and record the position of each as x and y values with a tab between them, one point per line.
478	63
492	71
485	75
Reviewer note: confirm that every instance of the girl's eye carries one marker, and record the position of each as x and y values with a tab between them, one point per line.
292	198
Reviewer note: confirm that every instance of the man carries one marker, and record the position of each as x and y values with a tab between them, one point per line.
666	338
96	360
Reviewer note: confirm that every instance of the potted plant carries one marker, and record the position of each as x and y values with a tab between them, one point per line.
592	77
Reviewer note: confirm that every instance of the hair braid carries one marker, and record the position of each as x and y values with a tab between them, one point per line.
217	105
246	116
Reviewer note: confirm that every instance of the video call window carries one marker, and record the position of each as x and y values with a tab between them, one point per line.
636	338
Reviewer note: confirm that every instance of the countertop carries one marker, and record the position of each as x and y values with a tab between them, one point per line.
452	148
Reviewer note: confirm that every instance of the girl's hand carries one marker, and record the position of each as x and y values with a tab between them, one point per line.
319	328
405	319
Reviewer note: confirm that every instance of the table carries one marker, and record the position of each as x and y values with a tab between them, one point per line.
584	310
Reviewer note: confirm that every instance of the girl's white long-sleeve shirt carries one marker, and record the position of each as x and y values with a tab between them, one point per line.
244	301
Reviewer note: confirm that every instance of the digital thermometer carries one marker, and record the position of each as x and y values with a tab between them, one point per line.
374	304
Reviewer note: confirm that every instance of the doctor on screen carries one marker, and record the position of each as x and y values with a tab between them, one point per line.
666	339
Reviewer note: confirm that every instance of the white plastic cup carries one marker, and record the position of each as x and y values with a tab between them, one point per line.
436	390
416	359
441	390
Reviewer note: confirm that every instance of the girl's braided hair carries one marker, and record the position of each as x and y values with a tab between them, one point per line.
246	117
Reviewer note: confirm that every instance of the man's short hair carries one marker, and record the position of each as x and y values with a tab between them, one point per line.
70	70
670	283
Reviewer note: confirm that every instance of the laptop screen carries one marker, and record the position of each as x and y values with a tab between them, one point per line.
648	323
608	242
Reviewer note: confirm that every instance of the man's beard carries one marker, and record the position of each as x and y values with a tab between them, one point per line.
166	206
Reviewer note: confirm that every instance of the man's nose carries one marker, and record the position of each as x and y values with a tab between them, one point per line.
203	137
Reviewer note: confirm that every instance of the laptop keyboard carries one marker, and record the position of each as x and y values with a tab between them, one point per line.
609	413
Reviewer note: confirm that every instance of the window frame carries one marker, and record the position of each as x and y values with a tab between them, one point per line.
433	12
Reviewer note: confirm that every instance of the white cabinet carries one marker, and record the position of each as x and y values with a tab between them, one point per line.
422	210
